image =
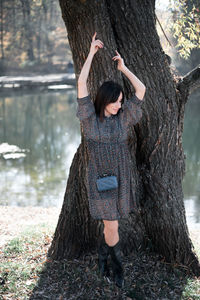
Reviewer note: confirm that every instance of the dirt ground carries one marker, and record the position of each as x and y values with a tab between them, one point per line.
147	276
13	220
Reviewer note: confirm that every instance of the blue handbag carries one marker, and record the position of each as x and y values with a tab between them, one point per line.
107	183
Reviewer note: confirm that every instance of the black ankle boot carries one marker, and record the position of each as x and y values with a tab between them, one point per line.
103	252
118	275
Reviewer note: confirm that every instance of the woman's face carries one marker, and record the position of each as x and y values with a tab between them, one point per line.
113	108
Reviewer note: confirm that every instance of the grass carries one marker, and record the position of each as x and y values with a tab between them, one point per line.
192	289
25	273
15	246
22	261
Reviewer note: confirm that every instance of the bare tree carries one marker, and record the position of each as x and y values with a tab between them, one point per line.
2	29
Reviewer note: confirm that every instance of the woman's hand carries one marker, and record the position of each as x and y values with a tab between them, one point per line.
95	45
121	66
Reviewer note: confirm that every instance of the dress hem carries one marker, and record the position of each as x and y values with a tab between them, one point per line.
111	219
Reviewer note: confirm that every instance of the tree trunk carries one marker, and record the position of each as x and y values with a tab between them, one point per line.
155	143
39	35
26	9
2	29
47	42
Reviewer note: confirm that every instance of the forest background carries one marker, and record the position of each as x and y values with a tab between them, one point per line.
33	36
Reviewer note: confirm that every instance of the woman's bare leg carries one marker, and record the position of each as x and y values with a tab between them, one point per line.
111	232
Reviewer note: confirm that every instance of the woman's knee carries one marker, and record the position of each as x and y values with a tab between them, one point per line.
111	226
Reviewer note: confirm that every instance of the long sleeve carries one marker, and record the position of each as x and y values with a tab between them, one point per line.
85	108
87	116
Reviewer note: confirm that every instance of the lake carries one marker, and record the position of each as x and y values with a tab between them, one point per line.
39	135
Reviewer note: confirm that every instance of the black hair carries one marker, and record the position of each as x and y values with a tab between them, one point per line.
108	92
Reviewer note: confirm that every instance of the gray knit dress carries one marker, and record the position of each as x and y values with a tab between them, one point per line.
109	154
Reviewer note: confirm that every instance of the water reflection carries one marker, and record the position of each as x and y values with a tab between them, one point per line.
47	126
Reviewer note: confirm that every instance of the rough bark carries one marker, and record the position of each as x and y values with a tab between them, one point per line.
155	143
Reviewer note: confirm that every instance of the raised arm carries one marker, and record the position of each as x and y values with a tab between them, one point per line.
82	81
137	84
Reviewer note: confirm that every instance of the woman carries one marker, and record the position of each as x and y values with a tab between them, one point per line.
105	126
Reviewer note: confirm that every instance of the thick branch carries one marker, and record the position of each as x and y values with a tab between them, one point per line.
190	82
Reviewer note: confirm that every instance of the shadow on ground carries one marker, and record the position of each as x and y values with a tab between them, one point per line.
146	277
